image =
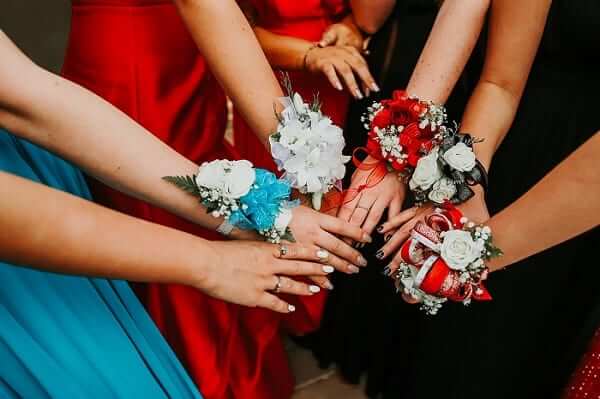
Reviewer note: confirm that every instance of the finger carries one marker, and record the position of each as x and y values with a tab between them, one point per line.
375	215
329	38
340	227
300	268
339	248
394	264
395	207
287	250
360	214
342	265
288	286
329	71
393	245
322	282
272	302
345	70
361	68
398	220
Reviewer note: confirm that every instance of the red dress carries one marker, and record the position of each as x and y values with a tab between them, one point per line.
585	382
308	20
138	55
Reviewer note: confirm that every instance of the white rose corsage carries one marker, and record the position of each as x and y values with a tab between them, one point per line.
308	147
247	197
444	259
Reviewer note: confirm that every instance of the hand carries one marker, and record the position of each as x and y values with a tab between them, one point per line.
318	231
344	61
475	209
368	207
245	272
344	33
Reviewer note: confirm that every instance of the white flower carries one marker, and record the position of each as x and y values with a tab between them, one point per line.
211	175
460	157
442	190
283	220
239	179
426	173
299	104
230	179
459	249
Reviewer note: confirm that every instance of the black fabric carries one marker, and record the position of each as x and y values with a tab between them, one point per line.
525	343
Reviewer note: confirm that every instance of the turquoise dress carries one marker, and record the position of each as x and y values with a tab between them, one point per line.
76	337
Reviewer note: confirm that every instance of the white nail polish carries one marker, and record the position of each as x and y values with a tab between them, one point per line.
328	269
322	254
291	308
314	289
329	286
353	269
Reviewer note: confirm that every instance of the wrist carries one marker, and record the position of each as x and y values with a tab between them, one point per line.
304	65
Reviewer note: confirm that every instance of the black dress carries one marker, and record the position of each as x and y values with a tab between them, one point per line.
526	342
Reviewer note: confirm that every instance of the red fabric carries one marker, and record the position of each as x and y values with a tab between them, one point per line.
585	382
305	19
138	55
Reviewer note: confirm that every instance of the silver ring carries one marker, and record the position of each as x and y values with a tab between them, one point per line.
283	250
277	285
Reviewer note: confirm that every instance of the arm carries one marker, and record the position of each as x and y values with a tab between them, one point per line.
515	32
557	217
66	234
449	46
370	15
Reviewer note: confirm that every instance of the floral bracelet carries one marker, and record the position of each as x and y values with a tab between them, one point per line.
414	139
444	259
246	197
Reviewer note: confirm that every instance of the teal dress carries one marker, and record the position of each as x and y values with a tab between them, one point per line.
76	337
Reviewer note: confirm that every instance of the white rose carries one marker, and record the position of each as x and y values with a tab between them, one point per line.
239	178
460	157
212	174
426	173
459	249
283	220
299	104
442	190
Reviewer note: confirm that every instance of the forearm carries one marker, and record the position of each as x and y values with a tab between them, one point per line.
81	127
236	59
55	231
449	46
370	15
284	52
562	205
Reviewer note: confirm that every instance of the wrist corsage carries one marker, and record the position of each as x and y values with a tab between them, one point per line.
308	147
414	139
444	259
248	198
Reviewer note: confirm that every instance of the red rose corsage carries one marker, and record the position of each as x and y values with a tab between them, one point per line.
444	259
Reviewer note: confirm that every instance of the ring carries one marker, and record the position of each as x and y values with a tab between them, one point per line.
283	250
322	254
277	285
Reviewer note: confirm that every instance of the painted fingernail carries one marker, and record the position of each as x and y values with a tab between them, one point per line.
358	94
380	229
367	238
291	308
387	270
328	269
314	288
379	254
361	261
328	285
387	237
374	87
353	269
339	86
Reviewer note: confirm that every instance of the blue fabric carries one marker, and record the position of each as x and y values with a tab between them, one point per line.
76	337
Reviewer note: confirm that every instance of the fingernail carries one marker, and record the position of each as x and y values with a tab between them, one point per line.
375	87
314	288
328	285
339	86
291	308
380	229
367	92
322	254
379	254
362	261
387	237
353	269
358	94
387	270
367	238
328	269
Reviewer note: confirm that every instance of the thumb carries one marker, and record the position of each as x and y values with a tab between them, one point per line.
329	38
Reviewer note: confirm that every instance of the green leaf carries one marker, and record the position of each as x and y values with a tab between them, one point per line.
186	183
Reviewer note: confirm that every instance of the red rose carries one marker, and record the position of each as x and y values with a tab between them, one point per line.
413	158
399	167
383	118
374	149
412	130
